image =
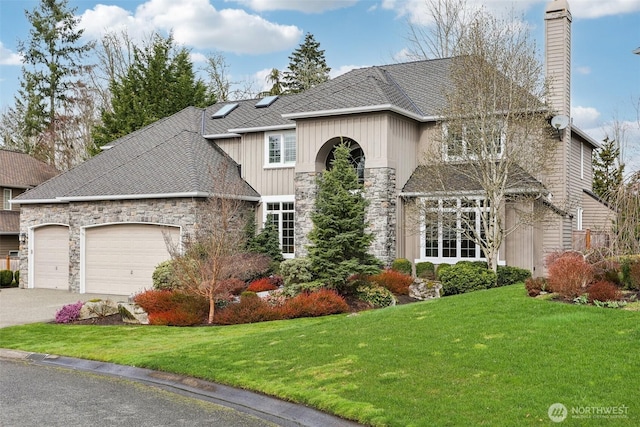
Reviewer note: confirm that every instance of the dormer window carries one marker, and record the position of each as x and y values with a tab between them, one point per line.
280	149
6	205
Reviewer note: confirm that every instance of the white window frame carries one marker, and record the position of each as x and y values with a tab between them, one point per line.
287	153
458	210
579	215
7	194
464	155
581	161
265	212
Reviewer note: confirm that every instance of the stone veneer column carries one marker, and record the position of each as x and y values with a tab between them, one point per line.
381	214
380	190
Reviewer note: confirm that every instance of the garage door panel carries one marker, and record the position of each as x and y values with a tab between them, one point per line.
51	257
120	259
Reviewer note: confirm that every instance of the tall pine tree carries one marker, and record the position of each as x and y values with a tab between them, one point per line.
159	82
607	170
53	59
340	242
307	67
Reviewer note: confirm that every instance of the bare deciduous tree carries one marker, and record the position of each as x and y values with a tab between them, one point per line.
214	255
494	138
446	22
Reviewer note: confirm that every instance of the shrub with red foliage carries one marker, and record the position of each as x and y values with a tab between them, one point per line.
175	317
261	285
535	286
250	309
569	275
603	291
396	282
319	303
172	308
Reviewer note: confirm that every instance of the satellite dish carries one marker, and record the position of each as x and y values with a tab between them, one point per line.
560	122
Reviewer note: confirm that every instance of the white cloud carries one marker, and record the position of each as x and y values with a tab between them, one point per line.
305	6
585	117
197	57
598	9
195	23
583	70
335	72
7	57
627	133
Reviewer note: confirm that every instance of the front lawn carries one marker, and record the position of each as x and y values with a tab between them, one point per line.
493	357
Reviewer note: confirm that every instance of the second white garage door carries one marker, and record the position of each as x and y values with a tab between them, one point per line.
120	259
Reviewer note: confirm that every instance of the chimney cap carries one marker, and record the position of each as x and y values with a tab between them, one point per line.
557	6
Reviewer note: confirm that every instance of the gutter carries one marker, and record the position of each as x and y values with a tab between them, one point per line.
358	110
195	194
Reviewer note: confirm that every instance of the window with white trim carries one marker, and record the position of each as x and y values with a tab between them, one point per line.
282	214
468	141
280	149
448	229
579	213
7	194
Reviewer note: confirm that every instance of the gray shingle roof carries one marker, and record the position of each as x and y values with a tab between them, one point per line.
167	157
455	178
19	170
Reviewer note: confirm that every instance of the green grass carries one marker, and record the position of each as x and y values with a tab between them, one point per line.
493	357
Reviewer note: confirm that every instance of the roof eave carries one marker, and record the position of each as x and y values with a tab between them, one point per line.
263	128
193	194
582	134
359	110
222	135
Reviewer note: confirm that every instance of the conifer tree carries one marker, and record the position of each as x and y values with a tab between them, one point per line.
340	242
266	241
159	82
307	67
607	170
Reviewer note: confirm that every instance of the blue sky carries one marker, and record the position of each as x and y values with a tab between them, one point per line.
257	35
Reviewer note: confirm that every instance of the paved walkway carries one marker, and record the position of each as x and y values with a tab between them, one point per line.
21	306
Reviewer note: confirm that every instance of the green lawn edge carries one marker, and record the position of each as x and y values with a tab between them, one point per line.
493	357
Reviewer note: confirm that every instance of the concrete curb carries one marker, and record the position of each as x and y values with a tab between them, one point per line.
283	413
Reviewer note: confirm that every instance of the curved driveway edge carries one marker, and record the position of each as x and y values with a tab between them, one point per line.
283	413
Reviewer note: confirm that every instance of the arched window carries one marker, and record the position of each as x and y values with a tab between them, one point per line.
357	157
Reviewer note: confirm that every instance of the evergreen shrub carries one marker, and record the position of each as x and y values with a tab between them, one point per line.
296	270
6	277
464	277
164	276
377	296
508	275
402	265
426	270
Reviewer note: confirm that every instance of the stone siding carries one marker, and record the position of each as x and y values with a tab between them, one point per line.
380	190
77	215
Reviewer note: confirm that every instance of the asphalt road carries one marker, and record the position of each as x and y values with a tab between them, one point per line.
35	395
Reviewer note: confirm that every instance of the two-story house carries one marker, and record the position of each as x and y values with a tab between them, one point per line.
18	173
101	226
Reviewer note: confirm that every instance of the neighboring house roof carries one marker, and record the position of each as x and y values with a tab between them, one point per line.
453	179
20	170
168	158
9	222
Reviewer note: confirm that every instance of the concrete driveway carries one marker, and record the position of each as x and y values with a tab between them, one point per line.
21	306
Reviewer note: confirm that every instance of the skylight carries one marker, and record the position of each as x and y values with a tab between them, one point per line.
224	110
266	101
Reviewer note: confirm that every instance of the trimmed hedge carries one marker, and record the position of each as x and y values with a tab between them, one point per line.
508	275
426	270
466	277
6	277
402	265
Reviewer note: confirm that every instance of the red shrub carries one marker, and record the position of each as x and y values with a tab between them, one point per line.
396	282
314	304
535	286
175	318
154	301
261	285
250	309
172	307
232	286
604	291
569	275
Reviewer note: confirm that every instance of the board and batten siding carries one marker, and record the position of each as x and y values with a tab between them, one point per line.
370	131
231	146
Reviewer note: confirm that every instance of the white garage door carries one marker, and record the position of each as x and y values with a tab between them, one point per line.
51	257
120	259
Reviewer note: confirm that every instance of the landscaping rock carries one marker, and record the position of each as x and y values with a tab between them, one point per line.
425	289
133	313
101	308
